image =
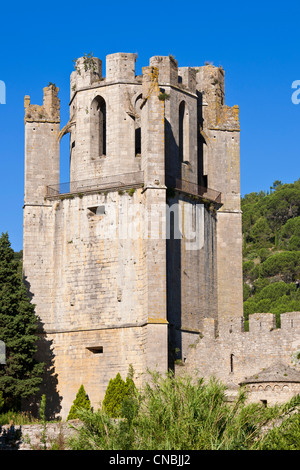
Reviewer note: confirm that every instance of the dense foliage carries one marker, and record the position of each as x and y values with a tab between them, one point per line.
271	265
21	375
180	414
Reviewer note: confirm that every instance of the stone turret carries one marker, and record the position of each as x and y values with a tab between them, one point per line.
42	125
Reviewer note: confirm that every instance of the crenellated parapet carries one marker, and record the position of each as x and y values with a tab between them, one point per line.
216	115
226	350
261	323
49	111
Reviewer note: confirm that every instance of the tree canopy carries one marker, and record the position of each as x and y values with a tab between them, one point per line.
271	250
21	375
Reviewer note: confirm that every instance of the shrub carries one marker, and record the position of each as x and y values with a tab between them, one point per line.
116	393
285	264
246	291
247	267
294	243
81	402
178	413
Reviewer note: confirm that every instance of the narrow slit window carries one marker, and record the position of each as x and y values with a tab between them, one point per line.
183	138
231	362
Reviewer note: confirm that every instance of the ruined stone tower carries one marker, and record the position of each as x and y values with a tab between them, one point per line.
133	258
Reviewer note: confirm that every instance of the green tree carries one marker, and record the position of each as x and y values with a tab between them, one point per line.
290	229
117	394
260	233
285	264
81	402
21	376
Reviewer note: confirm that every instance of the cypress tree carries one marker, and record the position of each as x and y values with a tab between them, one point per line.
21	375
81	401
117	392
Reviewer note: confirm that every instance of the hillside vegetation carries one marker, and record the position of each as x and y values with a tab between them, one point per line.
271	250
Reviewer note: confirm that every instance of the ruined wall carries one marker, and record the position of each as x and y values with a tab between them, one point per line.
233	354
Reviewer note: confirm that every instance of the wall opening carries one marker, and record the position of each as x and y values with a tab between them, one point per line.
137	127
65	151
231	363
95	349
98	127
183	138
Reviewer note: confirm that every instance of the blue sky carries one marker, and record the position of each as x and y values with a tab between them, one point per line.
257	43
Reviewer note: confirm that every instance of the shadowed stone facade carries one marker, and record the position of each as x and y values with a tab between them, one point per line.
151	156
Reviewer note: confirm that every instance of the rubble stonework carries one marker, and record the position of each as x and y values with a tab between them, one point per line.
138	143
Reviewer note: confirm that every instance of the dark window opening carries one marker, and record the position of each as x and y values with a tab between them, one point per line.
181	131
231	362
138	142
96	349
97	210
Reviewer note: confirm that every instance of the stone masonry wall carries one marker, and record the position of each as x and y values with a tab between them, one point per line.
232	354
78	262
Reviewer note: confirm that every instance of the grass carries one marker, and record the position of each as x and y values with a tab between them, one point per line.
17	418
179	414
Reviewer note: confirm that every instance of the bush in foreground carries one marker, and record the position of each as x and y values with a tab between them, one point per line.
178	414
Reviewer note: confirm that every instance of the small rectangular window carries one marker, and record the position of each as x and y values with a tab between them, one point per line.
97	210
95	349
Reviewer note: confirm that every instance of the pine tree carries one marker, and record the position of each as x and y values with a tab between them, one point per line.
81	401
21	376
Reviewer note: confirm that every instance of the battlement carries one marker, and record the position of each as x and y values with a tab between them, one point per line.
120	66
210	82
88	70
187	78
262	322
168	69
49	111
259	323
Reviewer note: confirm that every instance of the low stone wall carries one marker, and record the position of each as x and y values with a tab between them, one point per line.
31	436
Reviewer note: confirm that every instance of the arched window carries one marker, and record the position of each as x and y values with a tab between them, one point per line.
183	141
98	127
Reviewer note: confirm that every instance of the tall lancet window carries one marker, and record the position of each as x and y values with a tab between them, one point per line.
98	127
137	127
183	141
